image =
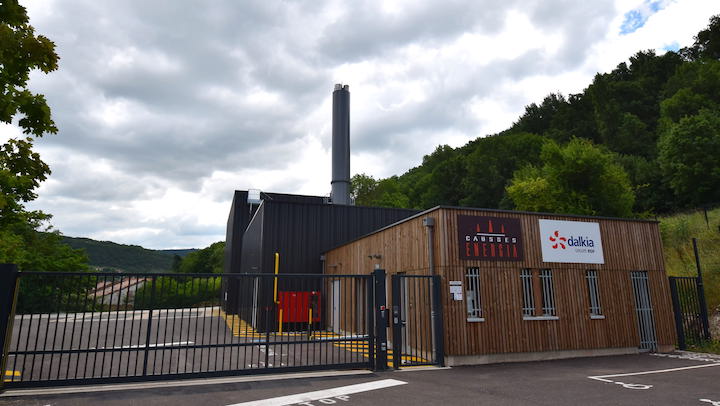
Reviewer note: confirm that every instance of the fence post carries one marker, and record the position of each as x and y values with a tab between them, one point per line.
8	294
677	310
701	294
437	320
397	322
370	312
380	310
149	327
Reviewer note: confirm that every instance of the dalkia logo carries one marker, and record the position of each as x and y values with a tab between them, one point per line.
570	241
560	242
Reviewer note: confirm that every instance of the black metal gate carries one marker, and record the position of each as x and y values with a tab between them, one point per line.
417	337
691	318
78	328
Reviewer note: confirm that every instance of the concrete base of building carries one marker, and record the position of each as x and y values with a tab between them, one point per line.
455	360
666	348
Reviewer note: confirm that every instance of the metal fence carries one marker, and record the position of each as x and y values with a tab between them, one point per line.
71	328
417	337
691	319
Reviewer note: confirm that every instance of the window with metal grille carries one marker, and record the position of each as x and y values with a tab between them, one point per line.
472	294
526	278
548	294
594	293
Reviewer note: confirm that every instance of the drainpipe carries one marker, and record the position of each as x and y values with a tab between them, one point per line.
429	222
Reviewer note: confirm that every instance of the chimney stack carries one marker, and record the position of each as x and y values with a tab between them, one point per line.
340	184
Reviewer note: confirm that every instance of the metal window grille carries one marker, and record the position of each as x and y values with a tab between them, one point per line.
548	295
644	310
528	298
472	293
594	292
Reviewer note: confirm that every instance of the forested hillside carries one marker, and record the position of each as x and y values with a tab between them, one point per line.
641	140
110	256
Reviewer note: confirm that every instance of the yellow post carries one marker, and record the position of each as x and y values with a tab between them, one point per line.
280	323
277	265
309	323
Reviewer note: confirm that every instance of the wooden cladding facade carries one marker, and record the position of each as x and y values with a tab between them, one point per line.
628	245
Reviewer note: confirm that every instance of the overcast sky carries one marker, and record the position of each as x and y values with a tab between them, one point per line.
165	107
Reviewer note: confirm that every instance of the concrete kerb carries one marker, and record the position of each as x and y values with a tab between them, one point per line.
177	383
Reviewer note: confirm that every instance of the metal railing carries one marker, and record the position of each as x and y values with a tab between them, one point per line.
71	328
691	321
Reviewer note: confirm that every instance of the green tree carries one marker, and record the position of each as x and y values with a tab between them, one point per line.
707	42
491	165
690	157
362	189
578	178
207	260
21	169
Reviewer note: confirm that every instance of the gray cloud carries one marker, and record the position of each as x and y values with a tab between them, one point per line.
365	30
164	95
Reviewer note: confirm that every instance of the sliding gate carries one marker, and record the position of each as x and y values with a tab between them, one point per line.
78	328
417	337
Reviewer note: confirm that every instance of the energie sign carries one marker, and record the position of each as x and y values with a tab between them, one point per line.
571	241
490	238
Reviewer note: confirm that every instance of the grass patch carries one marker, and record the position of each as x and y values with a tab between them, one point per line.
707	346
677	233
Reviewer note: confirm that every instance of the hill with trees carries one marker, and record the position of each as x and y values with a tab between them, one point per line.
110	256
641	140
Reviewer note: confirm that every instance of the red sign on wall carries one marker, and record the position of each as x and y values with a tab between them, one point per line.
490	238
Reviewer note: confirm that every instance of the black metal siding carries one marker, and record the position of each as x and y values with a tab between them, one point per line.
251	243
301	233
237	223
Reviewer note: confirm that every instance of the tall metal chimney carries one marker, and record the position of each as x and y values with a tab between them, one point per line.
340	184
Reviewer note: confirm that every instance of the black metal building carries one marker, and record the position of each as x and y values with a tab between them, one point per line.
298	228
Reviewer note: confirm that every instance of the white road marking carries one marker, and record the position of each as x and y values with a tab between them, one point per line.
602	378
693	356
149	346
324	394
712	402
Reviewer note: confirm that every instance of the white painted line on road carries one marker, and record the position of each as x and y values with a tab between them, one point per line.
603	378
324	394
657	371
177	383
156	345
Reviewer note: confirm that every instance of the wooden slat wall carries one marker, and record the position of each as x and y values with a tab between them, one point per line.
627	246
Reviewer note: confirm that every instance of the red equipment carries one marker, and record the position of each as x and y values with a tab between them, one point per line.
295	306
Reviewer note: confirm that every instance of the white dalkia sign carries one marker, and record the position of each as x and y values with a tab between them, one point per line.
571	241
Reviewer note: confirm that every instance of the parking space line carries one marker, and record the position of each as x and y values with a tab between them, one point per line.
341	391
657	371
604	378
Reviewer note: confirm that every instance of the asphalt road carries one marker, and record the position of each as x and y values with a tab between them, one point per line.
646	379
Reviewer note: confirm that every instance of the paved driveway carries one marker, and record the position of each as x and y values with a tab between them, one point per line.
646	379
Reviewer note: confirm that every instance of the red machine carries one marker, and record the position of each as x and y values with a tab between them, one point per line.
296	306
